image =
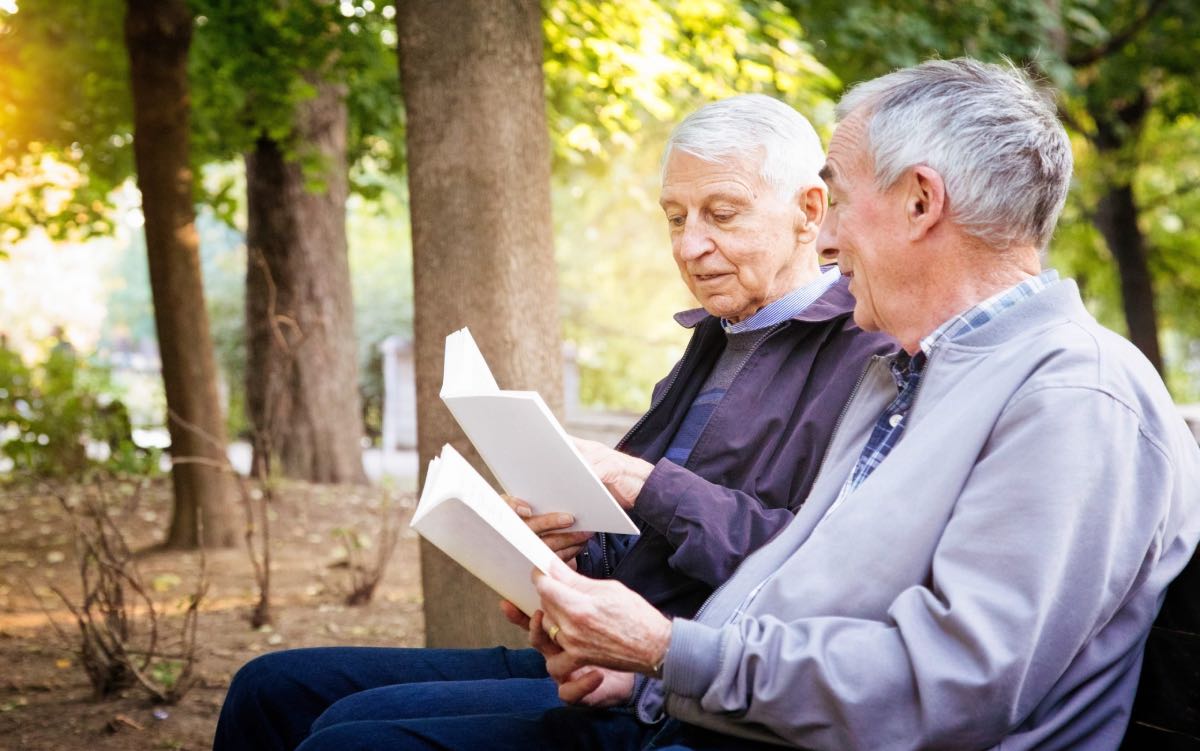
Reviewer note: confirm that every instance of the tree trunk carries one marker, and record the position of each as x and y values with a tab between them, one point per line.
157	34
1116	218
302	369
479	181
1118	128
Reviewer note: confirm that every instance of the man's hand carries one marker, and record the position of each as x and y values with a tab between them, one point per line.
622	474
596	623
566	544
597	687
514	615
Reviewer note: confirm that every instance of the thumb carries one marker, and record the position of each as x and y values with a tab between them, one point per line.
560	571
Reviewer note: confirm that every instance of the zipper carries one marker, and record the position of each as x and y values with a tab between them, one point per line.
604	555
912	405
820	468
691	345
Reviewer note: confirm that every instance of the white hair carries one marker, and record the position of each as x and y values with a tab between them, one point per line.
753	126
992	136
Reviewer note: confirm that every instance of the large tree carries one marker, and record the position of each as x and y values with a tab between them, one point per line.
479	180
301	360
67	100
302	90
157	35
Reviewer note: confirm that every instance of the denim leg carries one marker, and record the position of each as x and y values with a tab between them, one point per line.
508	732
411	701
275	698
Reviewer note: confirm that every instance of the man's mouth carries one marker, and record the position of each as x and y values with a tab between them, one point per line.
709	277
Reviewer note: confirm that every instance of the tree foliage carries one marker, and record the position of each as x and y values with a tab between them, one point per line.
66	121
618	76
616	69
254	61
1128	93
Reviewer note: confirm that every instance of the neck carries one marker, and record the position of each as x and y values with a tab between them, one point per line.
975	274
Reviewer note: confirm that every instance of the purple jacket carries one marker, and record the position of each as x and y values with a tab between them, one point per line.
754	463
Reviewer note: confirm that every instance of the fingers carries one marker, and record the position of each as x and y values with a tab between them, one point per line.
539	639
581	683
560	541
523	509
564	604
514	614
568	555
543	523
566	575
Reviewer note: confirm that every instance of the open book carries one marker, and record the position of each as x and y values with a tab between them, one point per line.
468	521
523	445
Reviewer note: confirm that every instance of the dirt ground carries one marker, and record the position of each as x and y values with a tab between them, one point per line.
45	698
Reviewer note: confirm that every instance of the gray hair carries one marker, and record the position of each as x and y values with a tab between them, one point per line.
753	126
992	136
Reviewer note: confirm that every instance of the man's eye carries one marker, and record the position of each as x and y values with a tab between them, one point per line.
676	220
723	217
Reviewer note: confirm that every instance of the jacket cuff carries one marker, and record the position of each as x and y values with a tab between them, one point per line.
693	658
659	497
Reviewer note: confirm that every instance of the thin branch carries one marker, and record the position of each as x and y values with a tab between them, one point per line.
1118	40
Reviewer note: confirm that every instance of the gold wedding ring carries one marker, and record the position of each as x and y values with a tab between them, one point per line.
553	633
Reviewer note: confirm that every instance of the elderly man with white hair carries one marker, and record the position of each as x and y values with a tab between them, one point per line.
1004	503
726	454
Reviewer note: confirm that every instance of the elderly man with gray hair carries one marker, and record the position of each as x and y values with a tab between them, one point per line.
726	454
1004	502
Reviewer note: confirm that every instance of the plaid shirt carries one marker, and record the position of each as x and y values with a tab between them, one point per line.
908	369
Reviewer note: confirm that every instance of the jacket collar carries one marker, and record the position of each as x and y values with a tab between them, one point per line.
835	302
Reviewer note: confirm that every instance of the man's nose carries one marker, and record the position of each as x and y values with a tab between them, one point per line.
827	245
695	240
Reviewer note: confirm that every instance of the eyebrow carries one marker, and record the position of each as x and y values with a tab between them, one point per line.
826	173
729	197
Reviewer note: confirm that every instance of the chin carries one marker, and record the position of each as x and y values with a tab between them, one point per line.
865	323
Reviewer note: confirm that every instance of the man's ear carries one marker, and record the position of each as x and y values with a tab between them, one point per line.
924	201
812	204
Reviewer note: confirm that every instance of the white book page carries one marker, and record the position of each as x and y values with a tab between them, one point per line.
464	371
463	517
523	444
534	459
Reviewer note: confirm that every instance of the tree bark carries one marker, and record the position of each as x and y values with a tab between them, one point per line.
302	371
1118	125
158	34
1116	218
479	181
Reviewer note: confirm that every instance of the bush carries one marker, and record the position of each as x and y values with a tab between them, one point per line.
52	413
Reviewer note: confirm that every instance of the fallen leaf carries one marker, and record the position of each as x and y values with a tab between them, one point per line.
119	720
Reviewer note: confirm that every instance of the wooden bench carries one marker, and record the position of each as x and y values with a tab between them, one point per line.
1166	712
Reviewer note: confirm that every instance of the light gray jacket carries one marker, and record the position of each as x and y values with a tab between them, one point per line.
991	584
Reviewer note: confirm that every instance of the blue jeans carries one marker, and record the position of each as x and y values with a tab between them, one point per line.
276	698
347	698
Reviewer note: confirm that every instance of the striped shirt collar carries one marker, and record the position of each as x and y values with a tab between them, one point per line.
789	306
978	315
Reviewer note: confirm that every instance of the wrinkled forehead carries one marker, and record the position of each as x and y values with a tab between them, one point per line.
848	154
686	173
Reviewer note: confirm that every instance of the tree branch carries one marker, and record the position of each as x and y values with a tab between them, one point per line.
1118	40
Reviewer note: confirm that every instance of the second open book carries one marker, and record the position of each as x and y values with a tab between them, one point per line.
532	458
